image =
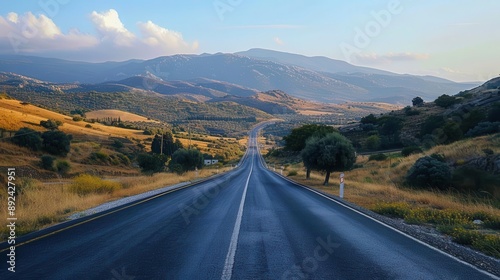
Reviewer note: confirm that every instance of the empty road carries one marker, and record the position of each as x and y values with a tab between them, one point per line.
246	224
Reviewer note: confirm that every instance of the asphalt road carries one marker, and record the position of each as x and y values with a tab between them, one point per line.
246	224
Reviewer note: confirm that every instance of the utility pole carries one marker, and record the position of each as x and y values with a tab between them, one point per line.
161	146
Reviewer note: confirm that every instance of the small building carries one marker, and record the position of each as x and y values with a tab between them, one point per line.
210	161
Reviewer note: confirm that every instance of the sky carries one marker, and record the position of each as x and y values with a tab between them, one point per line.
457	40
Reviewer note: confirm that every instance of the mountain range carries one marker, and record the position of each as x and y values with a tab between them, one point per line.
213	76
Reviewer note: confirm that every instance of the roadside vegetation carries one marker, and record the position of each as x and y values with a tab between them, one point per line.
63	166
443	172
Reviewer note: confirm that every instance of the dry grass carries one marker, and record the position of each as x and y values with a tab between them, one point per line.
383	181
14	116
40	205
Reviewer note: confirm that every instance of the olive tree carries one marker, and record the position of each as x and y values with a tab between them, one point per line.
330	153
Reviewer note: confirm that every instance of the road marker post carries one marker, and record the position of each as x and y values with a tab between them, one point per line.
341	185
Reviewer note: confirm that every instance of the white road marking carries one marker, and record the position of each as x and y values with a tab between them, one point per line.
228	265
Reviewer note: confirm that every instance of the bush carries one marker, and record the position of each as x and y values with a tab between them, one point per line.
29	138
118	144
410	112
373	142
51	124
187	159
394	209
47	162
429	172
292	173
407	151
370	119
151	163
99	156
56	142
63	167
378	157
484	128
88	125
87	184
77	119
446	101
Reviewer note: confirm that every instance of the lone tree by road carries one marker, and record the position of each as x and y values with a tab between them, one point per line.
330	153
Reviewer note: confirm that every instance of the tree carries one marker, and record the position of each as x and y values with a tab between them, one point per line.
56	142
151	163
169	146
185	160
370	119
373	142
51	124
417	101
47	162
296	140
330	153
29	138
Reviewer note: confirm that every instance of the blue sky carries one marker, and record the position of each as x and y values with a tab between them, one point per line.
451	39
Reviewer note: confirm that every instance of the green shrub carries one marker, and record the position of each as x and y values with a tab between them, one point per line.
29	138
56	142
394	209
377	157
118	144
99	156
484	128
77	119
63	166
47	162
446	101
373	142
428	172
151	163
411	150
87	184
292	173
51	124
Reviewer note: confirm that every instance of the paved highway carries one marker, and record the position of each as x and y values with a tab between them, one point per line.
246	224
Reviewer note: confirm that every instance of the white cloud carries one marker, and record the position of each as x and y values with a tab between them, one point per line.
39	35
34	34
158	37
110	27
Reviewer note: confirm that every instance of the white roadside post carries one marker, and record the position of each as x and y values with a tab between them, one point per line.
282	168
341	185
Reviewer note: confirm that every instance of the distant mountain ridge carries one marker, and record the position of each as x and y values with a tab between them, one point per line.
243	74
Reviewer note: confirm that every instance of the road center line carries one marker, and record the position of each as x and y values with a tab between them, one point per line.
228	265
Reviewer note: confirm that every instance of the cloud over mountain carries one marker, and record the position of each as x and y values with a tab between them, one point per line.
40	35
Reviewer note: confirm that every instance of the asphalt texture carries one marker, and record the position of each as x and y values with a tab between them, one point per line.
249	223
